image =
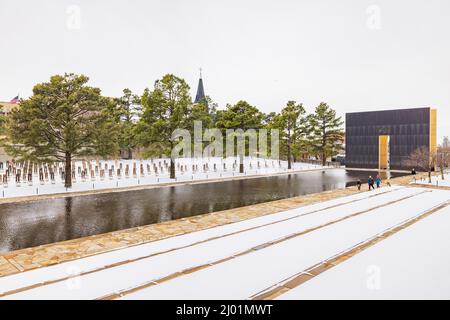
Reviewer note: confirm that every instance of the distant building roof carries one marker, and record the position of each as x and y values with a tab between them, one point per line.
7	106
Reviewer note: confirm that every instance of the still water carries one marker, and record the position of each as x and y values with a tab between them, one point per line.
30	224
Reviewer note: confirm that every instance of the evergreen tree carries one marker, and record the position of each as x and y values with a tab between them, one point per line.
204	111
268	119
62	120
291	124
325	132
2	121
243	116
127	111
164	110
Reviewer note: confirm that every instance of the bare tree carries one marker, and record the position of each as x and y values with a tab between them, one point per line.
443	159
422	160
446	143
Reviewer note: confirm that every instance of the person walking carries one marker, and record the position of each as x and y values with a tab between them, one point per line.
378	181
371	183
358	184
388	183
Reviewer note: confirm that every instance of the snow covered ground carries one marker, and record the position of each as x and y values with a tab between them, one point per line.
239	260
143	172
412	264
436	180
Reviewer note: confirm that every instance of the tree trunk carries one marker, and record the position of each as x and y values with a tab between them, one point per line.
324	142
68	171
130	153
172	169
289	153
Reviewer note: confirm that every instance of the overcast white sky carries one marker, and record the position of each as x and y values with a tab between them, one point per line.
356	55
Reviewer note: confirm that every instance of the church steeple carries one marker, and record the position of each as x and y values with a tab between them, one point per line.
200	90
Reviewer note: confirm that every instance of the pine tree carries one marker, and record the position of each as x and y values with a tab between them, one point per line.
204	111
165	109
2	121
62	120
325	132
243	116
126	112
291	123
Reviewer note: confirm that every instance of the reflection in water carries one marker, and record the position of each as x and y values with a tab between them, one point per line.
29	224
68	212
168	207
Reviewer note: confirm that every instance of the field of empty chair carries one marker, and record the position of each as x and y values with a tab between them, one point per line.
19	179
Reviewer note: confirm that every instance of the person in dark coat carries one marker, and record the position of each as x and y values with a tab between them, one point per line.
358	184
371	183
413	172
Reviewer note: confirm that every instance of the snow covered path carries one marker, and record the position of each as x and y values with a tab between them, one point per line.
412	264
234	261
242	278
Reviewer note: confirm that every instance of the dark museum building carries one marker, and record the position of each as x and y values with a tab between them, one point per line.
385	139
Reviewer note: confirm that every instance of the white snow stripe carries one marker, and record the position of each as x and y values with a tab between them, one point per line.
90	264
130	275
240	278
